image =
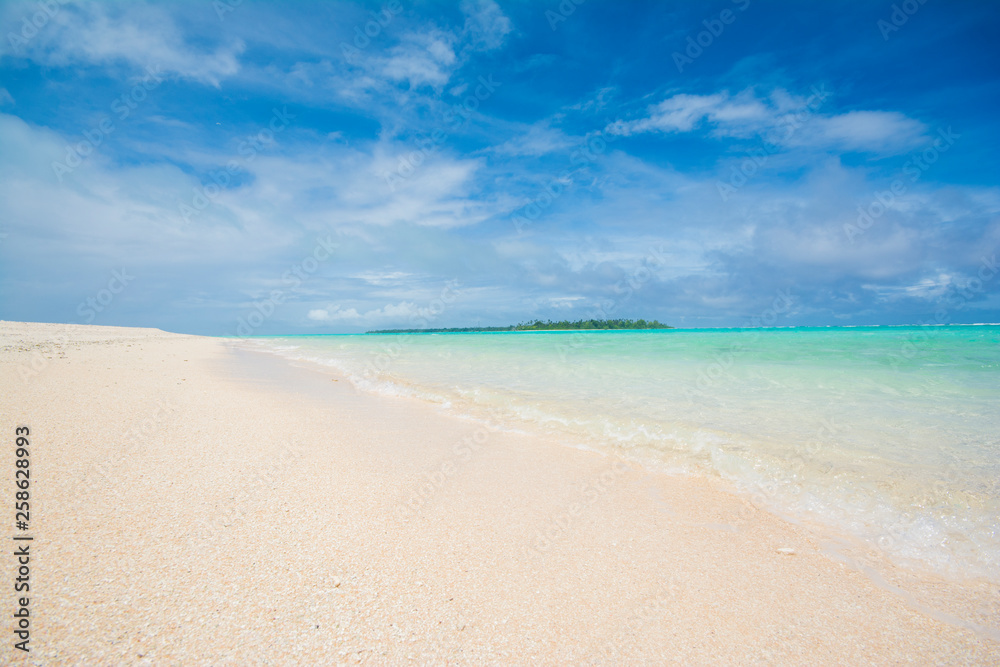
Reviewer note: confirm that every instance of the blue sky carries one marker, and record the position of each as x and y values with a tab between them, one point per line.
252	167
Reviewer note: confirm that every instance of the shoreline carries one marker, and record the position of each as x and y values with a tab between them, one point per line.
229	508
950	599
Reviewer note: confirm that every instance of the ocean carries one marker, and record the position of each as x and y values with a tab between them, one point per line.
890	435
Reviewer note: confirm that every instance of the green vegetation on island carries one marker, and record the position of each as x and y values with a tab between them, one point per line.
548	325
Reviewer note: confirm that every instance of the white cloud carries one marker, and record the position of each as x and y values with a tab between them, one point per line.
867	130
430	57
596	102
486	25
93	33
425	56
104	215
401	312
320	315
781	118
382	278
538	140
565	301
932	289
6	97
339	184
679	113
421	59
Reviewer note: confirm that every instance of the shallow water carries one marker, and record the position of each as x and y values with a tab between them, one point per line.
891	434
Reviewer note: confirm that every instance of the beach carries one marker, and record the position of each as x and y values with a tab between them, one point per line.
195	501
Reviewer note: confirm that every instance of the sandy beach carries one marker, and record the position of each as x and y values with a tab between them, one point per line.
196	503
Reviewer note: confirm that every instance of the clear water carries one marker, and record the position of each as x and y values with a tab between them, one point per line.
891	434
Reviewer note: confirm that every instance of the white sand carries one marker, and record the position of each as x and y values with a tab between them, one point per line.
196	505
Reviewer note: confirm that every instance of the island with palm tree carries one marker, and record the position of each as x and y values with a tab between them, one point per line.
548	325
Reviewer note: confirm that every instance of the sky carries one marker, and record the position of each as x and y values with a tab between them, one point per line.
257	168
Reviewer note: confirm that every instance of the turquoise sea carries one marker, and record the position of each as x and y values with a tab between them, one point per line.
888	434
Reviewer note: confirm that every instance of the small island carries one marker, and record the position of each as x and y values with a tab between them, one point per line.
548	325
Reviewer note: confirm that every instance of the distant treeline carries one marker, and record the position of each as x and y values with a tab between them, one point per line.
548	325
